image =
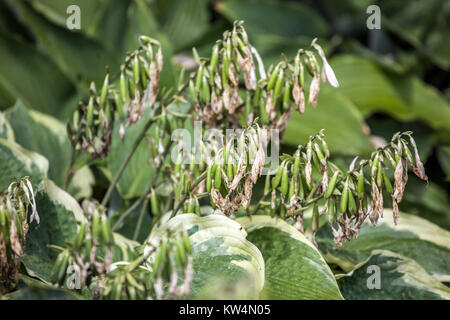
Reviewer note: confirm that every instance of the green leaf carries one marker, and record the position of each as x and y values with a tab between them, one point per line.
17	162
42	134
185	21
135	19
294	268
136	178
6	132
32	289
59	213
33	78
286	19
81	184
405	98
342	121
220	252
401	278
414	237
63	45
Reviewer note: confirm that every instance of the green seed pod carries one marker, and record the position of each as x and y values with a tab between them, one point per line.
302	76
230	172
57	267
374	166
116	292
104	91
344	197
198	78
105	230
273	77
315	218
181	252
278	84
205	94
214	58
190	206
263	112
90	112
208	179
192	92
286	95
284	182
136	69
331	210
154	203
361	184
379	174
319	154
387	183
187	244
301	188
124	88
119	105
276	180
2	217
63	268
291	187
256	96
296	166
218	177
331	185
391	159
95	225
80	237
351	203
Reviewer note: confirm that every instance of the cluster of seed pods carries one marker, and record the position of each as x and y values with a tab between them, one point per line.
158	279
308	177
214	88
125	99
14	224
91	251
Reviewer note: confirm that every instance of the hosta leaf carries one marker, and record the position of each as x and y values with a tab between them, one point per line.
406	98
400	278
137	176
34	79
17	162
63	45
135	19
125	249
287	19
43	134
185	22
342	121
294	267
414	237
32	289
220	251
59	213
6	132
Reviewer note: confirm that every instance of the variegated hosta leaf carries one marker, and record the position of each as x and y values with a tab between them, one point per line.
414	237
294	267
388	275
44	134
32	289
59	213
124	249
16	162
137	175
6	131
220	252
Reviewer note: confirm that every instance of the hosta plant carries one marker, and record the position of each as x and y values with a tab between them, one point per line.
231	217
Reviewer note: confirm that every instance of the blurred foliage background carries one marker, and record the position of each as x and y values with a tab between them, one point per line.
391	79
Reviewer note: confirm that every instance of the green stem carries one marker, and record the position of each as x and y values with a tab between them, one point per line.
141	218
194	185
